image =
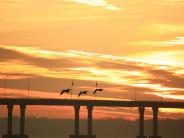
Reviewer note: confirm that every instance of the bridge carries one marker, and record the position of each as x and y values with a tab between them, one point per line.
141	105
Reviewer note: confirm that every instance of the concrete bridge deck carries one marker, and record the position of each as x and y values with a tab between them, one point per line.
109	103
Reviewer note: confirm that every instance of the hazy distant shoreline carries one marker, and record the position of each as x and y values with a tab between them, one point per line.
57	128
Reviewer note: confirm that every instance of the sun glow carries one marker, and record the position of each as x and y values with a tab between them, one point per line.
97	3
164	58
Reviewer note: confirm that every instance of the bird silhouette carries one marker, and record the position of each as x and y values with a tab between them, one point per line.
82	92
97	90
65	91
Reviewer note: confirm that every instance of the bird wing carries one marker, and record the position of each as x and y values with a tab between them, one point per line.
79	94
95	91
62	92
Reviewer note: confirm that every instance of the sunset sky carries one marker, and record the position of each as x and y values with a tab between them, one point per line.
125	46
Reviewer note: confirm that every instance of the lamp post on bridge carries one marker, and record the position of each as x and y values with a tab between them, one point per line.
161	87
28	87
5	85
135	94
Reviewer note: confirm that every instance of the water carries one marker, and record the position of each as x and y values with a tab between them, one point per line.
55	128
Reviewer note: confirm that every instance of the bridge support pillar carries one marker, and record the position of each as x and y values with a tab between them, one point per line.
76	130
10	114
22	121
141	122
90	121
155	123
9	121
76	124
77	109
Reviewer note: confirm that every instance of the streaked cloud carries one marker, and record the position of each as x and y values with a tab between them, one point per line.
97	3
177	41
115	70
175	44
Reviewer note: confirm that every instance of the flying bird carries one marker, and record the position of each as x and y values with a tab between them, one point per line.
65	91
97	90
82	92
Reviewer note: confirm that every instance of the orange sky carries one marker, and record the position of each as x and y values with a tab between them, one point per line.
124	45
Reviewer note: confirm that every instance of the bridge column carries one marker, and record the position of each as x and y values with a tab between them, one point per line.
76	130
22	121
90	119
77	109
76	124
9	121
141	122
10	113
155	123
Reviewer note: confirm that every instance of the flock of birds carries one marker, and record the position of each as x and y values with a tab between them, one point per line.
80	93
84	92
